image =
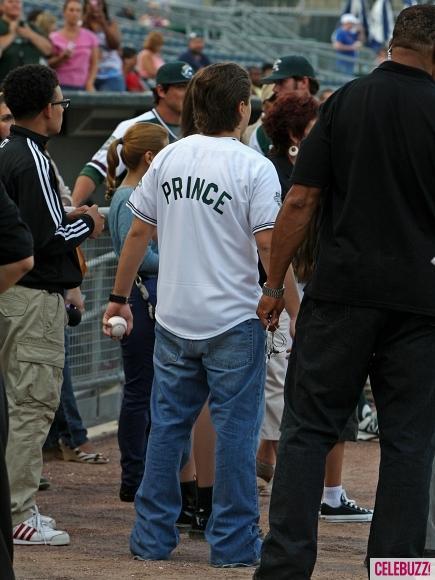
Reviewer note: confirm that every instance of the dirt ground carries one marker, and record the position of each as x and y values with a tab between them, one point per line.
84	501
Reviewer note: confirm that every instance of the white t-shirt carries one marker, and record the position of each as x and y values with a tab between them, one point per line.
207	196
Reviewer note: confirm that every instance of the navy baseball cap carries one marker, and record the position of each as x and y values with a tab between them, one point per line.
174	73
287	67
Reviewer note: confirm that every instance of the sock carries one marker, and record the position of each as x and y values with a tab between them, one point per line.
205	499
332	495
188	495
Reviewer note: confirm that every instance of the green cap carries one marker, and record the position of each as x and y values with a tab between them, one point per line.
289	66
174	73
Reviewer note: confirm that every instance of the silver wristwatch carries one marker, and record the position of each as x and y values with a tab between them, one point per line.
272	292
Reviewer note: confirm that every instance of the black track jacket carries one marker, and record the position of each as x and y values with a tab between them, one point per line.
30	181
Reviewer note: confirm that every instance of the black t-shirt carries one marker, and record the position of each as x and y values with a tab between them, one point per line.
16	241
373	154
284	168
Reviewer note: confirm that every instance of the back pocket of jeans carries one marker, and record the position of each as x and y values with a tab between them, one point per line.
234	349
331	313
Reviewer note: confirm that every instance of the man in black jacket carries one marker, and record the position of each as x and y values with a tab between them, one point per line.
32	313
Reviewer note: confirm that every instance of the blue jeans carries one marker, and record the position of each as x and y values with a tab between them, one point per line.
230	368
67	425
137	358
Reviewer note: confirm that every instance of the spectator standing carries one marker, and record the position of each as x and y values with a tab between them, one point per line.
150	58
347	43
255	77
16	259
96	18
133	82
19	43
362	312
195	183
75	51
32	312
194	55
266	69
172	79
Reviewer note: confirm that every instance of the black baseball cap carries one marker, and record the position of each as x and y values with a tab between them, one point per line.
287	67
174	73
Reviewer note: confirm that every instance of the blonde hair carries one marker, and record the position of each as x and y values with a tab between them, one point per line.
154	41
46	22
138	139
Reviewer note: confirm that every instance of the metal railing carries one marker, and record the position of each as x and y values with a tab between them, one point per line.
95	360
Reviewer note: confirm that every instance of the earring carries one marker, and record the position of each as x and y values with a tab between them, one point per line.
293	151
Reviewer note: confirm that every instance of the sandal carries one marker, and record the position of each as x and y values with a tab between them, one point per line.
81	456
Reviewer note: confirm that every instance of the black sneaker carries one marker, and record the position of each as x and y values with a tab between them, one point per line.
348	511
199	523
188	503
184	521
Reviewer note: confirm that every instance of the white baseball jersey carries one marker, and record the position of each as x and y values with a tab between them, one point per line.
98	162
208	196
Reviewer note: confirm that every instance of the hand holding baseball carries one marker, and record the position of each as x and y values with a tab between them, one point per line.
117	320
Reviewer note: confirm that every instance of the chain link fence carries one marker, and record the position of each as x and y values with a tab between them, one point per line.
95	360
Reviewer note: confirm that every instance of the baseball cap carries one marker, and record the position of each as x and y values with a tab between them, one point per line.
174	73
349	18
289	66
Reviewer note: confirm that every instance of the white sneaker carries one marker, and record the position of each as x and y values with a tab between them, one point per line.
46	520
368	425
35	531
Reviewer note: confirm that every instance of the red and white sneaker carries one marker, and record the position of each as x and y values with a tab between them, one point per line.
37	530
46	520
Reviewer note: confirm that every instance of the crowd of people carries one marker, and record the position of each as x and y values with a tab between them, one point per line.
237	244
86	52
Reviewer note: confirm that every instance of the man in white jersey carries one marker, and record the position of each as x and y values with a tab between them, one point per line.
214	202
171	82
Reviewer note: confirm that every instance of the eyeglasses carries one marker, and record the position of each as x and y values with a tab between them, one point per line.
64	103
276	343
6	118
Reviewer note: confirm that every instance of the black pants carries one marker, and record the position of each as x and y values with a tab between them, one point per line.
6	552
135	415
336	347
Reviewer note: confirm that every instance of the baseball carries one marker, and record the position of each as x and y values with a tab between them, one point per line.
119	326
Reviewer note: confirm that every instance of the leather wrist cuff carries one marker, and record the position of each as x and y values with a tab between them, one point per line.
118	299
